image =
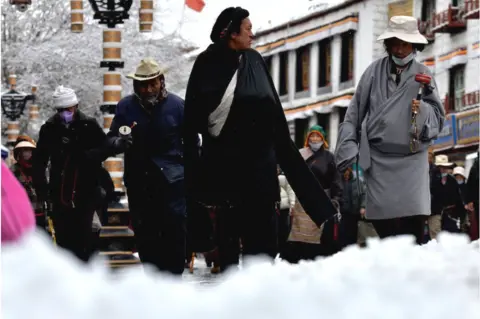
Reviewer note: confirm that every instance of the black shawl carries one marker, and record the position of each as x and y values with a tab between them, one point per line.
240	164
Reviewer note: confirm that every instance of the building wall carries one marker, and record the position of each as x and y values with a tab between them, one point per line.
445	43
366	49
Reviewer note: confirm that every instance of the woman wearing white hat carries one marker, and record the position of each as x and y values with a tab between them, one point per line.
388	128
74	144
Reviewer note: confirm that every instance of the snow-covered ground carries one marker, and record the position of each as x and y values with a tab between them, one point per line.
389	280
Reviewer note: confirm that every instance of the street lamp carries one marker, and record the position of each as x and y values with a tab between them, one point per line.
13	103
21	5
111	12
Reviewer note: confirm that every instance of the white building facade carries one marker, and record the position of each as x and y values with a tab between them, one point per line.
316	61
453	54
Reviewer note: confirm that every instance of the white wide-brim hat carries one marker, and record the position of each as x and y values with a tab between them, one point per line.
442	160
147	69
404	28
459	171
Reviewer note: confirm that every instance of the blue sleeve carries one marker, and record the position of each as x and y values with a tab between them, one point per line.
118	120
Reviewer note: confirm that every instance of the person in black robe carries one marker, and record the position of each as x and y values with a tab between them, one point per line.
232	102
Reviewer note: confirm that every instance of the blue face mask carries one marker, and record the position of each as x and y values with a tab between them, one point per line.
444	174
459	182
405	60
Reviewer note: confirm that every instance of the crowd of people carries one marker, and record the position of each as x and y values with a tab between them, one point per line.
244	188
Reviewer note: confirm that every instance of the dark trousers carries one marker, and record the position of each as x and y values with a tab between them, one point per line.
296	251
349	229
73	228
159	222
253	223
411	225
284	226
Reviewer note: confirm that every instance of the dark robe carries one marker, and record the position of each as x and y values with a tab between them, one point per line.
240	164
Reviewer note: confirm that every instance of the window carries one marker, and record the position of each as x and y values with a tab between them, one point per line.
456	87
342	112
457	3
301	129
324	63
283	73
428	9
302	72
346	73
268	62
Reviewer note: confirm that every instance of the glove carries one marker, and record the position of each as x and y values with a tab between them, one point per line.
122	144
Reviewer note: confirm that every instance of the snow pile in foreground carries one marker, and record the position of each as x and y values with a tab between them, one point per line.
391	279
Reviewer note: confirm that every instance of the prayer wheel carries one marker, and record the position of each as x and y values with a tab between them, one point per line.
114	166
76	15
12	80
112	88
107	122
33	112
146	15
112	45
13	130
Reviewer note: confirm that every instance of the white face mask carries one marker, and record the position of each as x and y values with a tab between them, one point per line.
405	60
315	146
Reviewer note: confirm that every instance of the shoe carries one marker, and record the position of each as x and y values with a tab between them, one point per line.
215	270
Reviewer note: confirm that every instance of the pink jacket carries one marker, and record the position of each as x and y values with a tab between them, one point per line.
17	213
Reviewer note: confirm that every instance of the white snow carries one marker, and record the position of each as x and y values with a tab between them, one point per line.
391	279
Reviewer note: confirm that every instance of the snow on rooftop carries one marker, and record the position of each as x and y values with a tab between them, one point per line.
392	279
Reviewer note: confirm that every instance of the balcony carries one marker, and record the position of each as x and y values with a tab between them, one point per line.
471	9
448	21
471	99
425	28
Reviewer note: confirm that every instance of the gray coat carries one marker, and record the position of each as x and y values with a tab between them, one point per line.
397	178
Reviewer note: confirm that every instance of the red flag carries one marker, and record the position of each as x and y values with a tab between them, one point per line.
196	5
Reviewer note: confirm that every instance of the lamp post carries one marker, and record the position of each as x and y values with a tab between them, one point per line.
116	238
13	105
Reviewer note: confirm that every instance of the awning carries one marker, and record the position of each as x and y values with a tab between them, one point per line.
296	41
322	107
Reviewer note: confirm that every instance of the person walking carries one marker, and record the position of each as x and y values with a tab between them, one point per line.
74	145
388	128
232	102
154	174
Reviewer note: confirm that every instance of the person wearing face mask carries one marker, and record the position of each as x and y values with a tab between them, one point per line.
388	131
306	240
447	193
22	170
74	145
153	167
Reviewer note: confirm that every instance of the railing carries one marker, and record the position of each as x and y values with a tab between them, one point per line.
447	19
424	27
470	7
471	99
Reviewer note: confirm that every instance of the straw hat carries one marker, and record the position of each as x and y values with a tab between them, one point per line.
147	69
459	171
404	28
25	144
442	160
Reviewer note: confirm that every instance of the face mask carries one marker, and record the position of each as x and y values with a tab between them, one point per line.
315	146
444	174
67	116
460	182
26	155
405	60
